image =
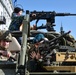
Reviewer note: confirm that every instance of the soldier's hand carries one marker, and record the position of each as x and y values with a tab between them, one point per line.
33	54
33	27
38	56
6	53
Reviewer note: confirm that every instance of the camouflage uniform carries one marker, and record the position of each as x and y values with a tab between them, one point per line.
5	35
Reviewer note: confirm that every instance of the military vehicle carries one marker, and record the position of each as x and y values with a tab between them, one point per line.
59	53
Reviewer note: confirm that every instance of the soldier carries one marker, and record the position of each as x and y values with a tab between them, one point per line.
5	39
35	64
17	19
38	39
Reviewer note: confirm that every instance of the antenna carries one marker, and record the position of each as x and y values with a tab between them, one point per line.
61	29
15	1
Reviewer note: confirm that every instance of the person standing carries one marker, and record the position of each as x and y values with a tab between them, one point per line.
34	63
17	19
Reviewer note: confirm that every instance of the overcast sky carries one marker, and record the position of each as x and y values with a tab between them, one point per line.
59	6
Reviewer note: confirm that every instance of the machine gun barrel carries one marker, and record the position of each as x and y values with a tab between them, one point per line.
65	14
54	40
52	13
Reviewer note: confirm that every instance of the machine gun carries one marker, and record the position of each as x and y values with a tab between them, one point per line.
57	38
48	16
51	44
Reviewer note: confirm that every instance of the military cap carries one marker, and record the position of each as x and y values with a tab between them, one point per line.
5	35
18	9
39	37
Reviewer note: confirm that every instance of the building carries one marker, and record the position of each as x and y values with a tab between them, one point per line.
6	9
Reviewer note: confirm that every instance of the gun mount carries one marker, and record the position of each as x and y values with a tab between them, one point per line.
48	16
